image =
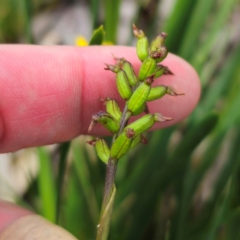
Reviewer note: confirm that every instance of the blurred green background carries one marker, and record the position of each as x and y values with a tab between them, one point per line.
186	184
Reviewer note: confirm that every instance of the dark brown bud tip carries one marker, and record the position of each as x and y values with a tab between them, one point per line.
129	132
159	53
170	91
112	68
91	126
138	33
95	119
150	78
160	118
146	110
92	142
167	71
143	139
163	34
167	118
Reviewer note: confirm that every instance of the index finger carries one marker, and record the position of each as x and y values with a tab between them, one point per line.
48	94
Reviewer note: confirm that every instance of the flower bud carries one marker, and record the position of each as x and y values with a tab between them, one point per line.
122	144
139	97
162	70
142	43
148	68
146	122
143	108
112	107
158	42
128	68
156	93
102	149
159	91
107	120
123	86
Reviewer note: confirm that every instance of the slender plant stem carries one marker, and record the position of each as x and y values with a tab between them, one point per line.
109	182
109	188
124	120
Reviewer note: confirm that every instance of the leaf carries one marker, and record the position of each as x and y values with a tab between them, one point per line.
97	36
46	185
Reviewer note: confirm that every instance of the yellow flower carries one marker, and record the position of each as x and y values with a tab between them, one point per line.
80	41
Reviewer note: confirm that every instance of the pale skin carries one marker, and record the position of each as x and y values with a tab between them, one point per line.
48	94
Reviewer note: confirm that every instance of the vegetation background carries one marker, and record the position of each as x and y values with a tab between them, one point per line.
186	186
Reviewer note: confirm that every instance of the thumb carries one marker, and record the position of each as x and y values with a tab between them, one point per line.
20	224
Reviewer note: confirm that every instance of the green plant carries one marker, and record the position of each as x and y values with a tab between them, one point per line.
136	91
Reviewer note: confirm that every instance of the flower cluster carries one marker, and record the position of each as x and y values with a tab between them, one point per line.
136	91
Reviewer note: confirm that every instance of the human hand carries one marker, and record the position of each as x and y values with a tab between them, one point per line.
48	94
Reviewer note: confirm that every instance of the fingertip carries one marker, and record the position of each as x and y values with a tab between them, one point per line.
54	101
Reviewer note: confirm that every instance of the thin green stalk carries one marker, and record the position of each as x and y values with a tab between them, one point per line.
109	188
124	120
109	182
103	227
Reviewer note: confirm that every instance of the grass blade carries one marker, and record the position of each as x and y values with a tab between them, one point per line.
177	22
198	17
112	9
46	185
97	36
64	148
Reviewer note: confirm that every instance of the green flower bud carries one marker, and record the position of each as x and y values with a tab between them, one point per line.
156	93
128	68
162	70
107	120
123	86
139	97
122	144
159	91
112	108
138	139
142	43
102	149
142	109
158	42
148	68
146	122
